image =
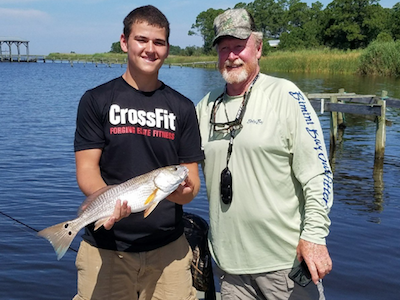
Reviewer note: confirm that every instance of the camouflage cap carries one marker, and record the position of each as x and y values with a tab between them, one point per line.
237	23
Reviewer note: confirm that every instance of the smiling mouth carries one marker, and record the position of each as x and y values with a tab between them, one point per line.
233	64
149	58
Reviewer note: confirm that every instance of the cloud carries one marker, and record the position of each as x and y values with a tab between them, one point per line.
23	15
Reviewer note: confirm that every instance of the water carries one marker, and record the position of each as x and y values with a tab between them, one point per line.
38	186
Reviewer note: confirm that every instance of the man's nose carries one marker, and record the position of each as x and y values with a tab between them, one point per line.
150	46
232	55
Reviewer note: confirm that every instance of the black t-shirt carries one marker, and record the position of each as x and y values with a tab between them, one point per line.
137	132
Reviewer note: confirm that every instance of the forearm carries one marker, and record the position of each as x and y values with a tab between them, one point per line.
317	206
88	171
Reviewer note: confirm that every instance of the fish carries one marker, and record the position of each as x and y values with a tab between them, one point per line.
142	193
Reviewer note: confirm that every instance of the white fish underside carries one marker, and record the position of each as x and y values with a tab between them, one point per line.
142	193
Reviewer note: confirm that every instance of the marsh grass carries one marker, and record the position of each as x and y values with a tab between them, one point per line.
97	57
175	59
380	58
312	61
121	58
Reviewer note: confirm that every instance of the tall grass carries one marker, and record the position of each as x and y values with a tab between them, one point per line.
176	59
312	61
381	58
121	57
97	57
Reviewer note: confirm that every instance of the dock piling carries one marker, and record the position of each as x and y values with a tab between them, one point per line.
380	139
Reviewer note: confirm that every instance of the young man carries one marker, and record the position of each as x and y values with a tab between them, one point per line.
127	127
267	173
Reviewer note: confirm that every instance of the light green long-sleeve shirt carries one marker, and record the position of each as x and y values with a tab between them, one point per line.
282	181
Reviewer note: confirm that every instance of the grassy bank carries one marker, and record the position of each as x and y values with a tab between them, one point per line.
312	61
97	57
121	58
381	59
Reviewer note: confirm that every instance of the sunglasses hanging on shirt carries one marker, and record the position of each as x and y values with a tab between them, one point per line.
232	127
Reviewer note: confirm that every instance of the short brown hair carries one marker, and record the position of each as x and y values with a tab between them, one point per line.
148	13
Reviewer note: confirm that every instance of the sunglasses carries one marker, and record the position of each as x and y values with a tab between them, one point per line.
226	186
226	126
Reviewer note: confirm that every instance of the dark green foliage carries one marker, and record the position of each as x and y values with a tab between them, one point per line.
116	48
381	58
353	24
205	27
395	21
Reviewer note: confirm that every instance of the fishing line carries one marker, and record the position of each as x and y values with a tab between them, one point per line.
27	226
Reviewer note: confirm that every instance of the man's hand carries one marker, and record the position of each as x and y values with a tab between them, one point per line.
189	188
185	189
120	212
317	259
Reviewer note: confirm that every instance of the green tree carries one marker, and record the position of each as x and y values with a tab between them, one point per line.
395	21
175	50
352	24
304	26
116	48
269	16
204	26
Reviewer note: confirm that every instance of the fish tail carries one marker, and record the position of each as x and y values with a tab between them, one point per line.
60	236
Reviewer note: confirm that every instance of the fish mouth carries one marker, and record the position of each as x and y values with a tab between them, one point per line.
185	172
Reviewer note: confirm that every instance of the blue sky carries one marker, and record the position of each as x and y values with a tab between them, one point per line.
91	26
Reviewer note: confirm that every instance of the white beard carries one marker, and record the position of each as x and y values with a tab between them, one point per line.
234	76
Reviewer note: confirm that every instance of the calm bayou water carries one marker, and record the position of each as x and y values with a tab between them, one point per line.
38	187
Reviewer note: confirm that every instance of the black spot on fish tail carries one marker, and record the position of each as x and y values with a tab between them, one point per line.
66	225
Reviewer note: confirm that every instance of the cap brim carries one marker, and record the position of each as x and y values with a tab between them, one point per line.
241	36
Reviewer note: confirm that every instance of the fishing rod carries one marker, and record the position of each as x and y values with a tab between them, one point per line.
26	225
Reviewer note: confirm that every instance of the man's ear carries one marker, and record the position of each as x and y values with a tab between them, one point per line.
259	50
123	41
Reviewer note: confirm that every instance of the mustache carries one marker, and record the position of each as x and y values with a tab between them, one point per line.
235	63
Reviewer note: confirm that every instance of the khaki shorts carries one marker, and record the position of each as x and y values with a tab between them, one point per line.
267	286
162	274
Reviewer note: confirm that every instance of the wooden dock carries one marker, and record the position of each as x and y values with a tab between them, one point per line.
21	58
367	105
70	61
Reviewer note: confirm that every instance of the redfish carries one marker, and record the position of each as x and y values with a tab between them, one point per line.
142	193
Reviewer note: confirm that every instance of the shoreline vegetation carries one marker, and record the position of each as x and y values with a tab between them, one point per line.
378	59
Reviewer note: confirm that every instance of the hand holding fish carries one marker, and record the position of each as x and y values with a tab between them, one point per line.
121	211
188	189
104	208
317	259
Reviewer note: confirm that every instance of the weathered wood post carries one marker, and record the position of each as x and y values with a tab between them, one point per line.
334	126
380	139
340	114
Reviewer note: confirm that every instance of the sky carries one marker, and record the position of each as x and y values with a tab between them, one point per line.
91	26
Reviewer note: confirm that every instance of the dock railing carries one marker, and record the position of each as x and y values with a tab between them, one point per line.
368	105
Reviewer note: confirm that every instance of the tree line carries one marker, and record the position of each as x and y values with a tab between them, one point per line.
342	24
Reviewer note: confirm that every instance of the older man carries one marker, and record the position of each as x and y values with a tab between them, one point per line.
267	174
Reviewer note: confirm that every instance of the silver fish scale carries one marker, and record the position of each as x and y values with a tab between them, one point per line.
136	191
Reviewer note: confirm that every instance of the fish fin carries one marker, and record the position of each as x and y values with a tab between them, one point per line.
151	197
92	197
100	223
60	237
150	209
